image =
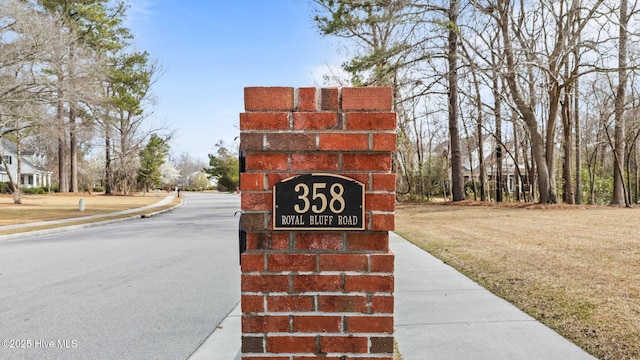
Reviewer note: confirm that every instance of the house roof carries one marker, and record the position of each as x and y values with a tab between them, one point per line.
10	147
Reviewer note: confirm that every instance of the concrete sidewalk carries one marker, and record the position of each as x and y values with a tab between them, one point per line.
439	314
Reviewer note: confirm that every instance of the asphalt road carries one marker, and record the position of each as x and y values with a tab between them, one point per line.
143	289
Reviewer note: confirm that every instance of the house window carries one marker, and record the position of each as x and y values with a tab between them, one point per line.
7	159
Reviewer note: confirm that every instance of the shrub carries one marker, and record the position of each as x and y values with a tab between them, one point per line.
470	188
5	187
33	190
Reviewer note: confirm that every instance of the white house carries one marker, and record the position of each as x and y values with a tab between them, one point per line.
511	177
33	172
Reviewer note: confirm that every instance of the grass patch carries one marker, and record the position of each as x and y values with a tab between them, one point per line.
577	270
36	208
396	352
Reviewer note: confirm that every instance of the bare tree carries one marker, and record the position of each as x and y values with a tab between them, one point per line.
29	42
619	189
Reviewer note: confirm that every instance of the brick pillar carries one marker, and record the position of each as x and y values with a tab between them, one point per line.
317	294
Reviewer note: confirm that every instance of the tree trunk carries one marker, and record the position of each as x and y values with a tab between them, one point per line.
108	176
576	122
482	165
517	180
498	174
619	197
457	180
537	144
73	149
63	174
497	112
550	144
17	195
567	146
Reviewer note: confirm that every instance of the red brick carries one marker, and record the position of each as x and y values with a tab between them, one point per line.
256	201
363	178
251	141
252	181
343	142
273	179
252	222
264	283
368	283
252	344
371	121
383	222
267	241
307	324
382	262
313	161
267	161
252	262
291	262
382	345
264	121
268	98
330	99
291	344
290	303
370	324
366	162
252	303
380	202
368	241
275	358
315	121
367	98
290	142
344	262
342	303
306	283
319	241
384	182
382	304
385	142
344	344
307	99
344	357
265	323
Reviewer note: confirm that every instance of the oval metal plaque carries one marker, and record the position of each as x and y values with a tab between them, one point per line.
318	202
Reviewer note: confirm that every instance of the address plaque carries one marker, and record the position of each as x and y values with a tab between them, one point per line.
318	202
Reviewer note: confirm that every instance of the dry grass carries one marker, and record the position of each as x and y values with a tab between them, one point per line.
396	352
575	269
37	208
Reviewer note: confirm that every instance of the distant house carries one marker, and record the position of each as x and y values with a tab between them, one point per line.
193	177
511	177
33	172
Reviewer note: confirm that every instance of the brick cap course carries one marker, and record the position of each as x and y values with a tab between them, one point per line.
277	98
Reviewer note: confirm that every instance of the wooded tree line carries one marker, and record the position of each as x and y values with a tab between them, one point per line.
71	84
553	82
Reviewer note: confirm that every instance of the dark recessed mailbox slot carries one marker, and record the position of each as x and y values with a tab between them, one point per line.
242	240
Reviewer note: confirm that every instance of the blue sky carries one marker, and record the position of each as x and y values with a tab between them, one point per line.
211	50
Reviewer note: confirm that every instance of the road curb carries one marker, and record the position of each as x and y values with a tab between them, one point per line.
224	342
64	228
